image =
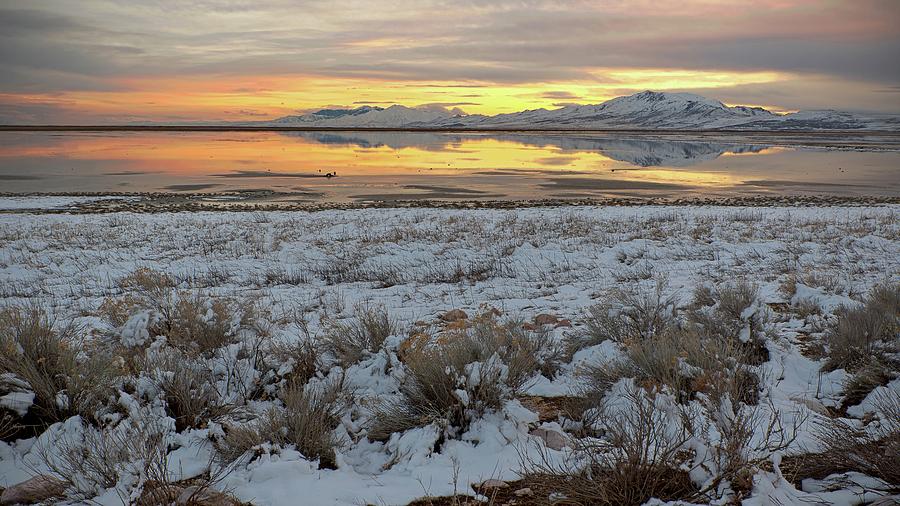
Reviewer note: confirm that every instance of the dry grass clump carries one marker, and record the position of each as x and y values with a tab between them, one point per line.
93	460
639	456
465	373
306	421
628	314
729	314
188	387
873	450
190	322
868	331
349	341
685	364
132	459
65	374
864	340
300	356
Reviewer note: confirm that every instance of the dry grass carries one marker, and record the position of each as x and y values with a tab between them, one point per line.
465	373
684	364
727	314
8	426
628	314
134	454
849	446
639	457
301	356
868	331
50	361
191	322
349	341
188	387
307	421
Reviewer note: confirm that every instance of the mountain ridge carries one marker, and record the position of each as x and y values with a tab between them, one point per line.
646	110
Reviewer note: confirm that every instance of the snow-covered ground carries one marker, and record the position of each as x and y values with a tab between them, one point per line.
419	264
47	202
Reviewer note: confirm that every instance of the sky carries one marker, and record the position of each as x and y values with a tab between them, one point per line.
120	61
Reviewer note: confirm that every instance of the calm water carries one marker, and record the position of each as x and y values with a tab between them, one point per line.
401	165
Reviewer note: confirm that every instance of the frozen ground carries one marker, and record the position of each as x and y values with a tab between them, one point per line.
308	269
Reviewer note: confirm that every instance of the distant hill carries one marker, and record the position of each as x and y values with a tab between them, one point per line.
647	110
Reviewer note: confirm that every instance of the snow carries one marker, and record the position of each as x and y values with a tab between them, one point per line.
540	260
644	110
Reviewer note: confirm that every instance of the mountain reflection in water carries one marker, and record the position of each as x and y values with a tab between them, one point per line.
366	165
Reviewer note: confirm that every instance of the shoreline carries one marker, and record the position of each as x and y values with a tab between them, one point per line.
255	201
238	128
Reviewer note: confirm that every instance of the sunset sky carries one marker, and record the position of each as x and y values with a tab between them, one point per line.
117	61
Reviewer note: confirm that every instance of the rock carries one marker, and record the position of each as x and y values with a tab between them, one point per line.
564	323
812	405
37	489
553	439
454	315
492	483
523	492
545	319
887	500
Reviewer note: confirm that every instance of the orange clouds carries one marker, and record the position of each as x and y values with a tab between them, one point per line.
250	98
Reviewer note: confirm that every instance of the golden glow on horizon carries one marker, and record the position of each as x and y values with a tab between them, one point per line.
209	154
248	98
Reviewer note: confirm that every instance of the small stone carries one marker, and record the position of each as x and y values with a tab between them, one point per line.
454	315
553	439
545	319
523	492
812	405
37	489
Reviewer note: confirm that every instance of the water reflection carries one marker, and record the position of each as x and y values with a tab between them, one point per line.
638	152
403	165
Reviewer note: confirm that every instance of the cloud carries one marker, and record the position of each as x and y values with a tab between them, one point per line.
560	95
59	46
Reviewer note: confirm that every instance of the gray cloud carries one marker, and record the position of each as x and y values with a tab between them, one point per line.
58	45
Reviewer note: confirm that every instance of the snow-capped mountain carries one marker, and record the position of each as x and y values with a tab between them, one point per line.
374	117
647	110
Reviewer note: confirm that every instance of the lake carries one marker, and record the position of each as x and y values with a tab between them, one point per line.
369	165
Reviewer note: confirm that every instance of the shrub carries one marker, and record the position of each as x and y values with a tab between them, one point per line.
455	380
194	323
307	421
848	446
684	362
301	356
628	315
65	374
350	341
637	458
131	458
728	319
189	388
874	373
860	333
91	460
